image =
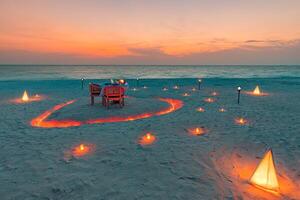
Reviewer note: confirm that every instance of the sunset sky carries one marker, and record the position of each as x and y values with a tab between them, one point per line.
149	32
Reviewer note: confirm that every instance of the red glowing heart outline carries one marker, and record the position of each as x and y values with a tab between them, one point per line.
42	122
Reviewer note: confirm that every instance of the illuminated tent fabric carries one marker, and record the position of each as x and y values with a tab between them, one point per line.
265	173
256	90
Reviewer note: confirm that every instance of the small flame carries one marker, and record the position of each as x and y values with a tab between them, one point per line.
222	110
256	91
197	131
200	109
241	121
209	100
147	139
81	147
82	150
25	96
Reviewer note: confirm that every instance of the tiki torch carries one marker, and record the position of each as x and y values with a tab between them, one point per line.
199	83
239	94
82	80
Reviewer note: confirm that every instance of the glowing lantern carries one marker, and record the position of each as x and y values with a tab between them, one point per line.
222	110
197	131
81	147
185	94
25	96
256	91
209	100
200	109
241	121
121	81
147	139
264	175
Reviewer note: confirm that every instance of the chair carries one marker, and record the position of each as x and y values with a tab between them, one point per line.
95	91
113	93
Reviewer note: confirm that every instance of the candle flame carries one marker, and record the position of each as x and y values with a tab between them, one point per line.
222	110
241	121
200	109
209	100
25	96
81	147
265	174
147	139
197	131
82	150
148	136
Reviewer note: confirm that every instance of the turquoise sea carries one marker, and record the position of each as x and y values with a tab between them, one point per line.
35	72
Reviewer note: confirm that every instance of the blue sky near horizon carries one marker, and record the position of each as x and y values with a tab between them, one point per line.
150	32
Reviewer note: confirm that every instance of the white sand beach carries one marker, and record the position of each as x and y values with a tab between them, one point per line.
37	163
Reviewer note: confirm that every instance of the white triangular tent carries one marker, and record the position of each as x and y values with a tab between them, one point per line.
256	90
265	174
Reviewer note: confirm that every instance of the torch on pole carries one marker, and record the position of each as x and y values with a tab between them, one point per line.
82	80
239	94
199	83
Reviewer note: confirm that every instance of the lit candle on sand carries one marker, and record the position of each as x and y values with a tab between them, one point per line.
241	121
81	150
197	131
200	109
209	100
147	139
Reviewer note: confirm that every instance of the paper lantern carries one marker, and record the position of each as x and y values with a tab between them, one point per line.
25	96
264	175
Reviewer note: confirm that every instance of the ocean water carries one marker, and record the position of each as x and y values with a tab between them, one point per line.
35	72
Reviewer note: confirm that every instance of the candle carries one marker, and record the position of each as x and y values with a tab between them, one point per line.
147	139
